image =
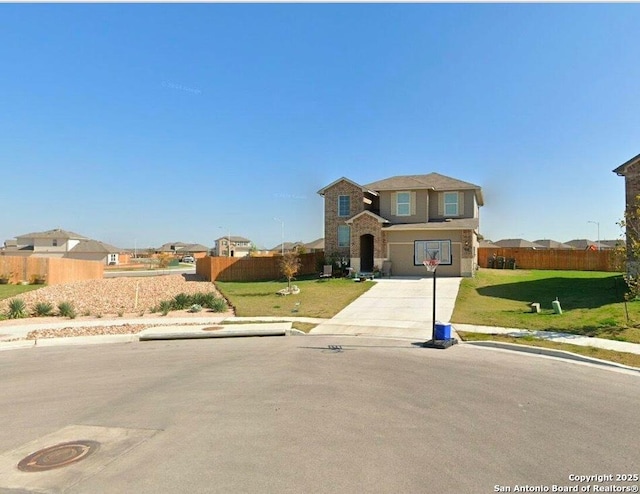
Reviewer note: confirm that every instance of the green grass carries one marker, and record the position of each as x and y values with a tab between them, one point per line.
592	302
623	358
7	291
317	298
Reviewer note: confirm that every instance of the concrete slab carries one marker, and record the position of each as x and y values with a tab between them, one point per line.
113	443
400	308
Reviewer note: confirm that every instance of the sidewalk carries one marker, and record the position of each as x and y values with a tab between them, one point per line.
573	339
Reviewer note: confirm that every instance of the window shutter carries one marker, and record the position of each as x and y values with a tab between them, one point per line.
394	204
441	204
413	203
460	203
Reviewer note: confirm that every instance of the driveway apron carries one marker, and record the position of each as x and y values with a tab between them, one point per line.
398	308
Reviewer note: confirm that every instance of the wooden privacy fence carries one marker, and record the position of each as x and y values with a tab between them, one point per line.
53	270
565	259
252	268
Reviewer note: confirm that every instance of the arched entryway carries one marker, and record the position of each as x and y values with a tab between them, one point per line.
366	253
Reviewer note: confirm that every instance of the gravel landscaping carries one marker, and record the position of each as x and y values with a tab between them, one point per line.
113	298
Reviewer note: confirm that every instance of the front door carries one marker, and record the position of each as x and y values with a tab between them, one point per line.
366	253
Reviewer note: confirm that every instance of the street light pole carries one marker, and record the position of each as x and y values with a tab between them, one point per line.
597	223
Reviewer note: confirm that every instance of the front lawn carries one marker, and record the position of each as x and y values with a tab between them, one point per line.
592	302
317	298
7	291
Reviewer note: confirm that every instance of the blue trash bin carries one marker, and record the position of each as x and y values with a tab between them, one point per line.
443	331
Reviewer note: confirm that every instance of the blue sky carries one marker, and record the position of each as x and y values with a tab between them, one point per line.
150	123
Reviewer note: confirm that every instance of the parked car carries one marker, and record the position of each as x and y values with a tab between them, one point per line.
188	259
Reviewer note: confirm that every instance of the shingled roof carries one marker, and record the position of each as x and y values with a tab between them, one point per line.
55	233
434	181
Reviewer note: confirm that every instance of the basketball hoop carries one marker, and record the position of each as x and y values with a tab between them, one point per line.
431	264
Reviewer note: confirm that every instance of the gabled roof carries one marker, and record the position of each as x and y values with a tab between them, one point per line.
433	181
55	233
316	244
233	239
378	218
345	179
519	243
581	243
182	247
552	244
287	246
622	169
95	246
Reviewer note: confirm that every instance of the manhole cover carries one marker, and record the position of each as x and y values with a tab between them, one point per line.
58	456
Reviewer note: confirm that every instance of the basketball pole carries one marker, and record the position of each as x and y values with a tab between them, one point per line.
433	317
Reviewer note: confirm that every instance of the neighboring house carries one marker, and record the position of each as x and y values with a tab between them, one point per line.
231	246
181	249
552	244
517	243
403	220
94	250
62	243
288	247
630	170
315	246
584	244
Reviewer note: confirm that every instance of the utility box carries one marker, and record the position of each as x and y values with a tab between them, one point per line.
443	331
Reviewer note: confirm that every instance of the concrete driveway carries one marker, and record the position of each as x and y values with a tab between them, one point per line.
398	308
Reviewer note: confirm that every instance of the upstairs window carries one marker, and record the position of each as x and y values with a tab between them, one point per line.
344	205
54	242
403	203
451	204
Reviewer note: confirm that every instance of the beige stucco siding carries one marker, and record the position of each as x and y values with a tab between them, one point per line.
468	202
420	200
400	248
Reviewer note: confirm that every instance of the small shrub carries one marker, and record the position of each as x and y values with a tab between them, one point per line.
17	309
195	308
219	305
181	301
205	299
43	309
165	307
99	316
66	309
120	313
86	313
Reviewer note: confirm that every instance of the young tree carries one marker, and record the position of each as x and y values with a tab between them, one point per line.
289	266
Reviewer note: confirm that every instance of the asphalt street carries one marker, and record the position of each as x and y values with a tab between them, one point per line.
312	414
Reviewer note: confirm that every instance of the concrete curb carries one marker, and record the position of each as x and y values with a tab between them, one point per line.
189	335
549	352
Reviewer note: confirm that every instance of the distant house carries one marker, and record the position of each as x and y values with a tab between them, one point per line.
315	246
180	249
402	221
518	243
552	244
582	244
287	247
233	246
62	243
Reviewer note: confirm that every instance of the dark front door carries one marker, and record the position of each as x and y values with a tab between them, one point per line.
366	253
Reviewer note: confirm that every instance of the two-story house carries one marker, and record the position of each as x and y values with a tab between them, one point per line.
403	220
231	246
